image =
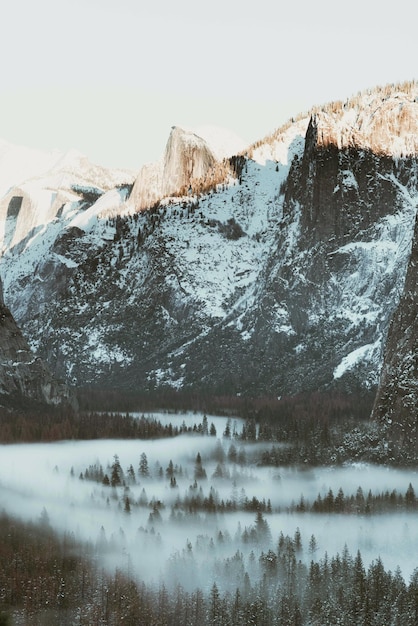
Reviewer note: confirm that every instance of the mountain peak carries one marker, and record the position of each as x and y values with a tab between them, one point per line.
187	157
383	120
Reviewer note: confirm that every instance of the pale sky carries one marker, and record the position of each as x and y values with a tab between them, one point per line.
110	77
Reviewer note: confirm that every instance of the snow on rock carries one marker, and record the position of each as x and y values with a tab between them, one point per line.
283	145
108	204
384	121
222	142
363	353
18	163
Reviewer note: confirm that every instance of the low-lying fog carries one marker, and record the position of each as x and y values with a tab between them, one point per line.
152	526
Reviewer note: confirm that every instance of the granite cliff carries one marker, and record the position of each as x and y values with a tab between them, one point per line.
396	404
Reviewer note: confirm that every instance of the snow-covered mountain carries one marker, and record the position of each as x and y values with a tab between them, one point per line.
273	271
18	163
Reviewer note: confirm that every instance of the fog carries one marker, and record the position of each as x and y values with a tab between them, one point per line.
163	535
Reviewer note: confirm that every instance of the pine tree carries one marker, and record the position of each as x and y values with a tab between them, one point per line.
237	614
116	472
170	469
215	606
131	475
205	429
262	528
199	471
143	466
312	546
227	431
339	501
359	588
297	540
410	499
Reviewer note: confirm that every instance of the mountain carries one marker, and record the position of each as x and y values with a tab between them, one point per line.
276	270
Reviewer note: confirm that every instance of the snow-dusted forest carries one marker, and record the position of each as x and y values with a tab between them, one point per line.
203	519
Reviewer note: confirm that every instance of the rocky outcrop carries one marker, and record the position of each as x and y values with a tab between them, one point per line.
342	191
396	404
24	378
383	121
30	207
187	158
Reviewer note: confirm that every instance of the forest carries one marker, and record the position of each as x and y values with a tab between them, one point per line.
278	517
52	581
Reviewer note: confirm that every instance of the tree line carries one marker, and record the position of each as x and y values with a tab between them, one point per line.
48	579
317	429
54	425
359	504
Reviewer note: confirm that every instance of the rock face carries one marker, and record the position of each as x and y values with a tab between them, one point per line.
24	379
28	209
341	255
187	157
284	279
396	403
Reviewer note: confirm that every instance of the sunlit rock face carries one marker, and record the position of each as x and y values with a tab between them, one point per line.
147	189
343	246
187	157
396	403
283	278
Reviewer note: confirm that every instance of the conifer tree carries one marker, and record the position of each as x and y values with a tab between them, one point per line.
199	471
116	472
143	466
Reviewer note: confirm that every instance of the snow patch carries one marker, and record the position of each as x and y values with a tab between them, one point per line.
166	377
68	262
223	143
354	357
106	204
102	353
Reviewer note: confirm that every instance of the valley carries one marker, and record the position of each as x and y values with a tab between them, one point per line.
201	515
208	378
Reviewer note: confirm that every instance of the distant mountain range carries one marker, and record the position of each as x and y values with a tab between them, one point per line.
272	271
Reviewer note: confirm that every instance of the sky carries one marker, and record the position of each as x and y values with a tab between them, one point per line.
110	77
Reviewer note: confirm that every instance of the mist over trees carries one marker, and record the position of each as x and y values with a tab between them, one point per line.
207	520
50	579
